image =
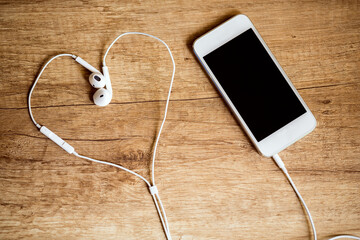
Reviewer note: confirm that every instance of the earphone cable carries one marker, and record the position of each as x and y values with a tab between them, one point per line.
168	96
163	218
156	197
37	79
114	165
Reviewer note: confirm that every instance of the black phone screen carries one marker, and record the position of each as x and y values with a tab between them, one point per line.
254	84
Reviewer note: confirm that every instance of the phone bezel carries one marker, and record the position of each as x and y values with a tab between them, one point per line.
286	135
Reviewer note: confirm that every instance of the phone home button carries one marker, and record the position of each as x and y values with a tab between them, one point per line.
282	133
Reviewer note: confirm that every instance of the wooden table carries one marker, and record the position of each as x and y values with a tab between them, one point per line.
213	183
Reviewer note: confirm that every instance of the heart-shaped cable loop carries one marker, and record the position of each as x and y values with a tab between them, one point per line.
63	144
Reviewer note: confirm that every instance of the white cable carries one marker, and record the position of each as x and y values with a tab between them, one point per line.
303	203
155	194
281	165
162	216
168	97
344	236
156	197
163	210
37	79
114	165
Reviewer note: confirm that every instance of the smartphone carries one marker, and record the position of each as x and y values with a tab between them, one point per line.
254	85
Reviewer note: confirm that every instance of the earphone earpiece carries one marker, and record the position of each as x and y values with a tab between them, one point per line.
97	80
102	97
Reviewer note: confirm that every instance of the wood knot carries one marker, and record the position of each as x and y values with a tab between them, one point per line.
134	155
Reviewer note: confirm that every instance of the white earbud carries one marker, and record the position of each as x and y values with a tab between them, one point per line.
102	97
97	80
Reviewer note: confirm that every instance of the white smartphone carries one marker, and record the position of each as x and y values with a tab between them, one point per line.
254	85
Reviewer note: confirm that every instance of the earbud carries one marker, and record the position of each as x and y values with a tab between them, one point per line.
102	97
97	80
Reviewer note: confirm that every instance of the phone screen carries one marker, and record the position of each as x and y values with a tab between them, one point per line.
254	84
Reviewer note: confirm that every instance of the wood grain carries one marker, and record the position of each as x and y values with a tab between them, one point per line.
213	183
